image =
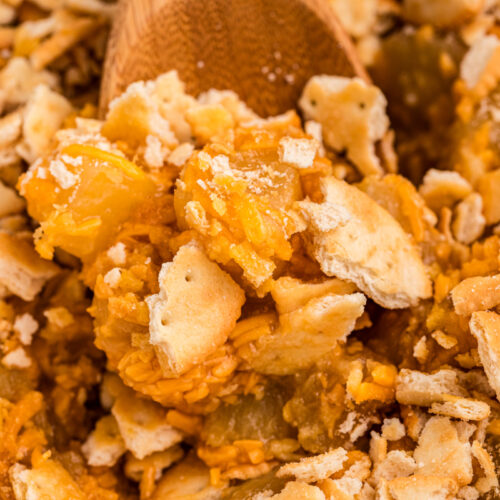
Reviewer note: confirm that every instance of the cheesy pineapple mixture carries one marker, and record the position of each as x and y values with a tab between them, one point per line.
197	302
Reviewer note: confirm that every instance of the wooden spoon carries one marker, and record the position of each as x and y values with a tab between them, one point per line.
264	50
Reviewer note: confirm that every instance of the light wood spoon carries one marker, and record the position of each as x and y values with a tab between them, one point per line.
264	50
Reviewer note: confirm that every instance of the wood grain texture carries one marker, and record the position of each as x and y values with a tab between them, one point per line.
265	50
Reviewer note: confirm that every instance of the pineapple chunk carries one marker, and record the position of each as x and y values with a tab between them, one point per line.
81	195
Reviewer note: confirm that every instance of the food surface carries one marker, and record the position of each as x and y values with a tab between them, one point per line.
197	302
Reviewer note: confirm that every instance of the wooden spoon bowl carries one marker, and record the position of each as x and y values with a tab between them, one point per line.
264	50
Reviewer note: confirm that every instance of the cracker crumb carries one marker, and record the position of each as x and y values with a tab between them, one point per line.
462	408
17	359
476	294
423	389
25	326
445	341
420	350
112	277
142	425
118	254
104	445
181	154
154	152
477	58
393	429
62	175
297	152
312	469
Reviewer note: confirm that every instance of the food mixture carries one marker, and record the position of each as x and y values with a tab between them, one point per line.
201	303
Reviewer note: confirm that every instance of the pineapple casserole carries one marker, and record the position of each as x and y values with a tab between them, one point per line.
197	302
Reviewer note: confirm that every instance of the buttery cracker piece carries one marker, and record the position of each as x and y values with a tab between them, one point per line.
420	487
10	128
476	294
378	447
414	419
25	326
43	116
420	350
154	152
462	408
194	312
117	253
393	429
440	452
485	326
490	479
208	121
299	152
111	387
423	389
22	271
17	358
441	13
358	18
295	490
47	480
290	293
181	154
367	247
441	188
104	445
135	115
468	493
143	426
312	469
18	79
188	479
240	112
352	115
134	468
475	63
10	202
306	334
469	222
397	463
489	189
445	341
344	488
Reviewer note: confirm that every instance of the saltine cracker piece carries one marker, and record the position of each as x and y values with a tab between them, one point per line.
366	246
485	326
194	312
